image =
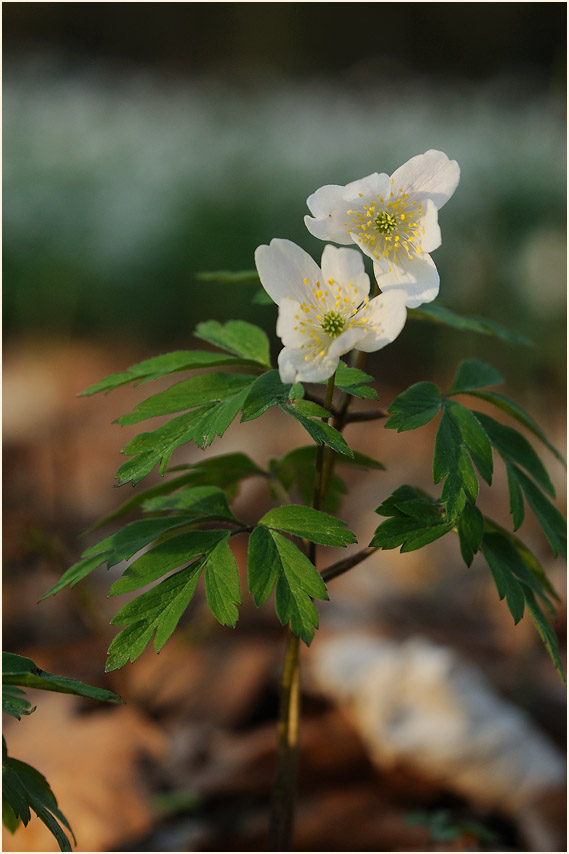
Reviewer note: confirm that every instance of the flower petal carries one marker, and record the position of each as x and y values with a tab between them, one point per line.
368	188
329	208
346	268
431	236
289	323
283	266
430	175
294	367
418	278
387	315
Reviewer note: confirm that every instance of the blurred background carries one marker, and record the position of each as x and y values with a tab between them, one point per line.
145	143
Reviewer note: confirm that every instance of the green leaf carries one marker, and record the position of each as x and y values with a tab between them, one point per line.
307	407
501	557
23	787
474	438
473	374
14	702
266	391
353	381
17	670
197	502
553	524
516	496
165	557
416	520
515	448
274	559
226	471
157	611
196	391
470	531
296	469
545	631
437	313
157	446
222	584
160	366
408	533
414	407
321	432
516	411
313	525
119	546
237	337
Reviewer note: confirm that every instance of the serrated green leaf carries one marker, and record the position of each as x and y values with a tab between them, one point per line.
22	782
353	381
311	409
195	391
216	421
515	448
470	532
474	374
313	525
75	573
125	543
165	557
414	407
222	584
407	532
402	495
266	391
272	558
14	702
545	630
473	437
197	502
157	611
238	337
157	446
437	313
17	670
160	366
553	524
452	462
506	583
121	545
516	411
226	471
321	432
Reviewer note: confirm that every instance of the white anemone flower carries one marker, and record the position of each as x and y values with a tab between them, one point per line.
393	219
324	312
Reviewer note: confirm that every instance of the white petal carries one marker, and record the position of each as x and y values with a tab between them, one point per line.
430	175
346	268
283	266
368	188
418	278
294	367
429	223
346	341
288	323
329	209
387	315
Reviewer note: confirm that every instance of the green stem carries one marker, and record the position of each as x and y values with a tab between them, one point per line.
284	789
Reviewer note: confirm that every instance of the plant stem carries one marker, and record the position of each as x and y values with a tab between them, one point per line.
284	788
347	563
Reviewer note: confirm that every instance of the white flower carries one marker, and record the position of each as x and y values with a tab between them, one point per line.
324	313
393	219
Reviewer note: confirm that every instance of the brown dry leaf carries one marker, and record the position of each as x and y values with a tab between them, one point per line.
91	764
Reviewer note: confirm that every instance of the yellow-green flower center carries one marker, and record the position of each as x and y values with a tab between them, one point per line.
333	323
385	222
